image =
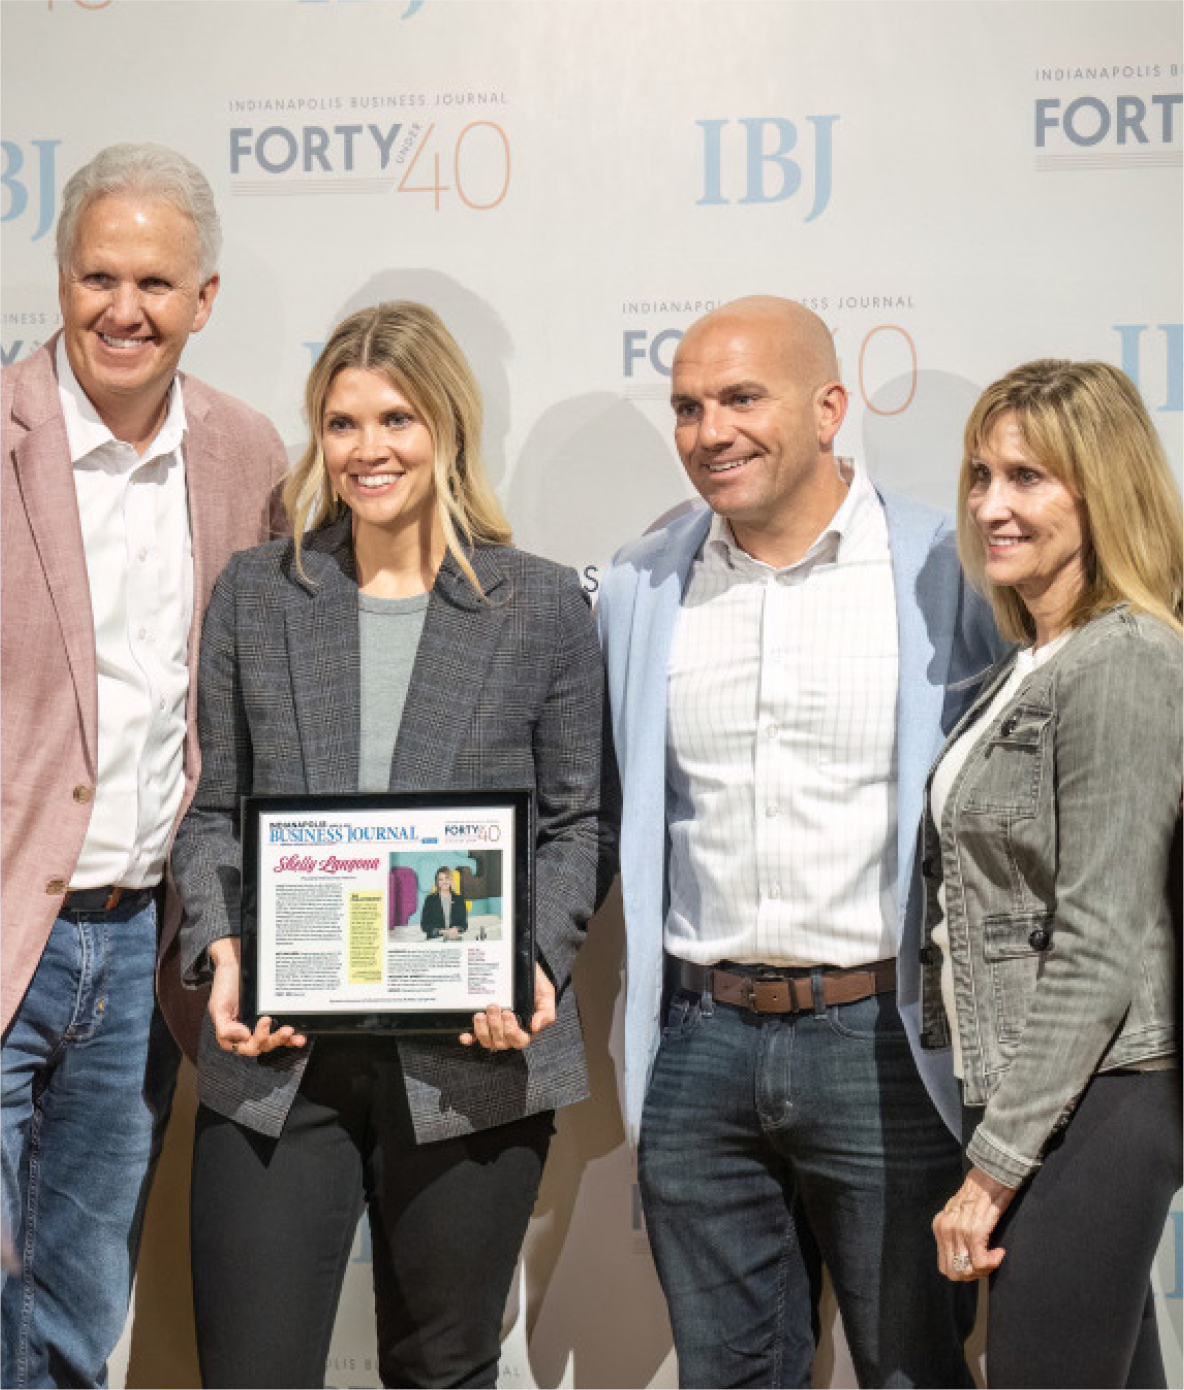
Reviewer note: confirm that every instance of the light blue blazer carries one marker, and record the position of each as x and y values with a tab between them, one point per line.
947	643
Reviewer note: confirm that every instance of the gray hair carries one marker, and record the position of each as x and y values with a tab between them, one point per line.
153	171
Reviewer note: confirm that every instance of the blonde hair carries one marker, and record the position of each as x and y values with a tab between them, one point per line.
1086	423
408	343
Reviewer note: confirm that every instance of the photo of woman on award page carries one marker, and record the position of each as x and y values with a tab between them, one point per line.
457	901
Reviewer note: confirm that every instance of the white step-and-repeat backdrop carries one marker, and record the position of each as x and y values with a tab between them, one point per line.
954	187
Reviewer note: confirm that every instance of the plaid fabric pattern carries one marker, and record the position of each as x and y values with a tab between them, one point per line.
507	691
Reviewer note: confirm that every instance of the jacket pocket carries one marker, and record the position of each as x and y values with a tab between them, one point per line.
1009	769
1014	947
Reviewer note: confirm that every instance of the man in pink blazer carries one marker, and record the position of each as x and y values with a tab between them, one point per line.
125	487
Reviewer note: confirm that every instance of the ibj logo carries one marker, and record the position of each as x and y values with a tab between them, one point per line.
748	161
29	176
1153	358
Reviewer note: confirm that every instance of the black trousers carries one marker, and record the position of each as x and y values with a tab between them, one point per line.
1071	1303
273	1221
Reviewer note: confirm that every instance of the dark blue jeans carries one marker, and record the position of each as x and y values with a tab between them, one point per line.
88	1074
770	1140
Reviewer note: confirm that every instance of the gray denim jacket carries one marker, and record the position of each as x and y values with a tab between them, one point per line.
1054	848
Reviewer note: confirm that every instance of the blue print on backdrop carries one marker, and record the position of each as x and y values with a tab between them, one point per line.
29	177
760	152
1168	340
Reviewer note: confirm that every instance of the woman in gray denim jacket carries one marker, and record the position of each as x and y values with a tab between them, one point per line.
1050	848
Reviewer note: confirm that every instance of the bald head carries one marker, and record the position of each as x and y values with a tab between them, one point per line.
798	335
757	404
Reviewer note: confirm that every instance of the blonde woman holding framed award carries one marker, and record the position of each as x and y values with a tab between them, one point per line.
399	645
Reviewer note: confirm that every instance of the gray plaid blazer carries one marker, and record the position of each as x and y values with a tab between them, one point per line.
506	691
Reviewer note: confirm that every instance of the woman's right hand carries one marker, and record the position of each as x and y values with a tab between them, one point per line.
232	1034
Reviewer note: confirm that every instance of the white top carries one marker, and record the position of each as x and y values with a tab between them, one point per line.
139	561
945	774
781	750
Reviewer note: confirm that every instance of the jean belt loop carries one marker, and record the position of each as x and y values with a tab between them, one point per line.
707	999
817	989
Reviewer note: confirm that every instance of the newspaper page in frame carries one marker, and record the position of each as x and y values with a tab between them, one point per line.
400	911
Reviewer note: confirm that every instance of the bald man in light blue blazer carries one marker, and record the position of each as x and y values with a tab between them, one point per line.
757	375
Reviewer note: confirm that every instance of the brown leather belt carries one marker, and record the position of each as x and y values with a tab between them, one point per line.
773	990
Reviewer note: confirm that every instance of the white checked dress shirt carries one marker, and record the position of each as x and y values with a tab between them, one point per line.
781	750
139	563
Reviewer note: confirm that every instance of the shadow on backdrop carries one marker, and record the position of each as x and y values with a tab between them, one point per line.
919	451
593	473
163	1350
588	1271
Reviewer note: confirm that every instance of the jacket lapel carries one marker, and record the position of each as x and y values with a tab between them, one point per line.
46	482
655	616
321	627
461	632
927	610
205	454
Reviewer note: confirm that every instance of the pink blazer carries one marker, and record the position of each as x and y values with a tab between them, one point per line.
48	688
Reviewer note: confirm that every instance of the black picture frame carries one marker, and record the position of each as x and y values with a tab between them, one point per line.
319	827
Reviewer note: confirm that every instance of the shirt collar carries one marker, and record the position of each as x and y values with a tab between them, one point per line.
85	431
836	543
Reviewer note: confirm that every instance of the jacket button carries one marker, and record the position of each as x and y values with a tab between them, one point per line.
1009	728
83	793
1038	940
927	866
55	886
928	955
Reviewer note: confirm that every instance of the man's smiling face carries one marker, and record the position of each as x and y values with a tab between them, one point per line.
131	294
746	425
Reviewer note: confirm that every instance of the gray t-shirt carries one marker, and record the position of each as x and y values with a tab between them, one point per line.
389	630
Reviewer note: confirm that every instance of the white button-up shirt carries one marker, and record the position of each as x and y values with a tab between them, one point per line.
781	750
139	562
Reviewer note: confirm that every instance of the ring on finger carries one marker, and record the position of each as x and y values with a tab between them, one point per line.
961	1263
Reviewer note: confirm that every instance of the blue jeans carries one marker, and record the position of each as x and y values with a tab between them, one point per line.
88	1074
769	1140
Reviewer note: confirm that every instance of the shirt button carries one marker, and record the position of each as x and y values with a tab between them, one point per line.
143	555
55	886
771	731
83	794
771	809
162	702
774	890
142	633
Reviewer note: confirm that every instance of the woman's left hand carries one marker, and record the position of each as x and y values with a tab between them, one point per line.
963	1227
498	1030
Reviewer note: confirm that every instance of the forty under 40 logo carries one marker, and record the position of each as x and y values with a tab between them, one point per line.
1139	125
348	156
749	160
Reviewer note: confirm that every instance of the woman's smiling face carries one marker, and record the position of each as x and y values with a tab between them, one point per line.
1032	527
378	451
